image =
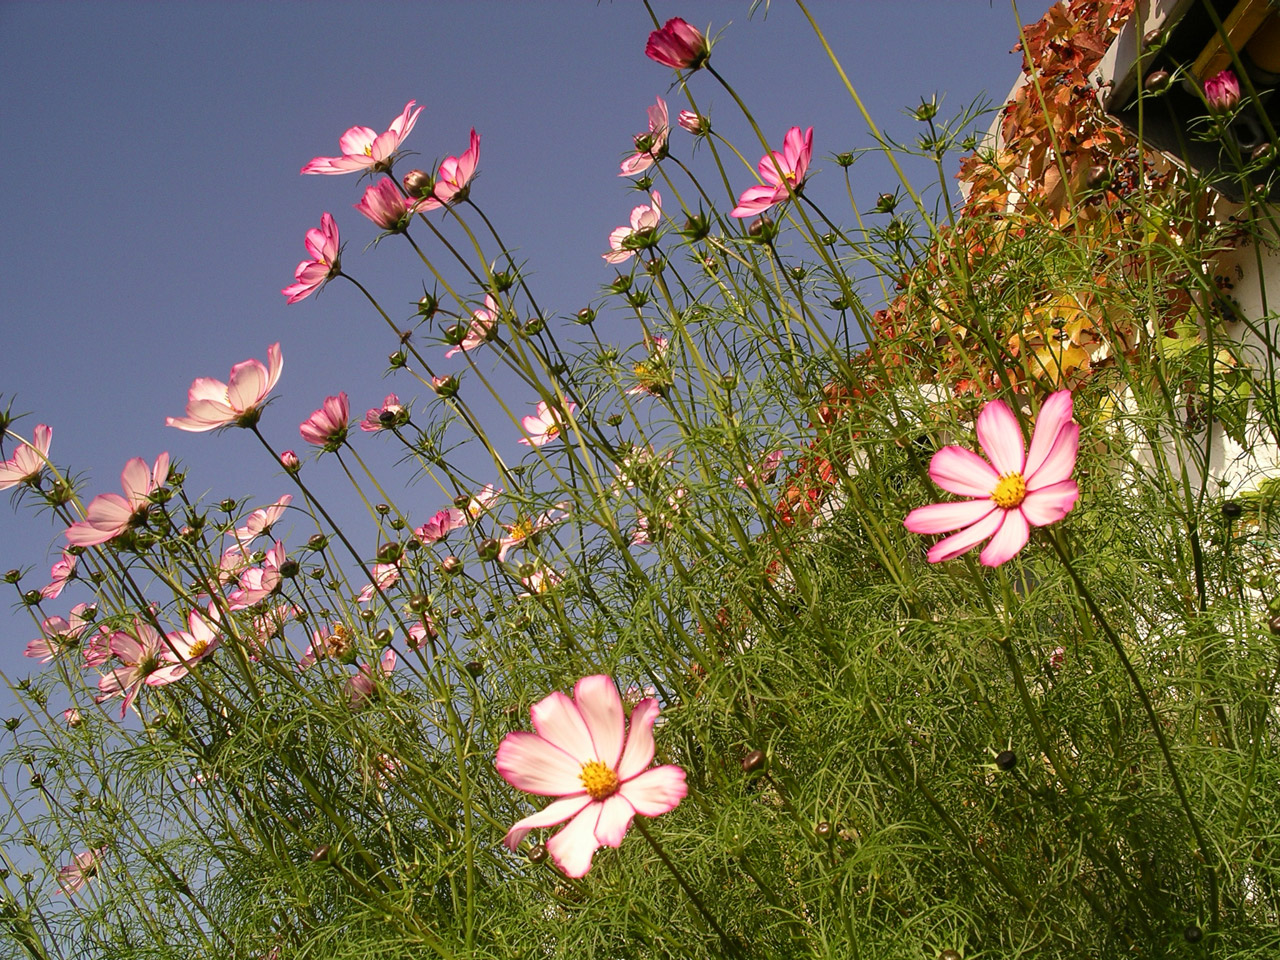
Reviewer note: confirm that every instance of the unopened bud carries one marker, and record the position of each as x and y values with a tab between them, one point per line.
451	564
317	541
446	386
289	460
390	552
824	830
418	184
753	761
1006	760
1156	82
537	853
489	549
763	228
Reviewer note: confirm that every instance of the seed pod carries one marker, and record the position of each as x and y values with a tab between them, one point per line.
451	564
1006	759
537	853
1156	82
1231	510
475	668
753	761
824	830
320	853
1192	934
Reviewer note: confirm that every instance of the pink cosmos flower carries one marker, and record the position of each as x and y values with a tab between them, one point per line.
783	174
82	869
525	527
212	403
289	460
57	634
258	583
481	328
545	425
1017	490
764	473
385	576
190	646
262	520
452	182
327	427
390	414
364	685
482	501
146	659
324	264
362	149
441	524
645	221
678	46
71	716
61	572
1222	91
585	752
98	650
650	146
539	582
109	515
694	123
29	460
422	630
385	205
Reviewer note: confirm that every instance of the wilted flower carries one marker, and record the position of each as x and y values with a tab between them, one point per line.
783	173
28	460
586	753
334	644
362	149
678	45
545	425
109	515
212	403
327	427
650	146
324	264
645	220
1222	91
1017	490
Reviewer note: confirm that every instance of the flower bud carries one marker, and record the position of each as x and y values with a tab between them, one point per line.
621	283
419	602
1231	510
474	667
753	761
317	541
1156	82
31	598
696	227
502	282
1222	92
454	335
289	569
845	159
698	125
1192	934
613	419
289	460
678	45
320	853
390	552
949	954
13	576
227	506
927	110
462	501
533	326
763	228
383	637
537	853
446	386
886	203
427	305
418	184
451	565
1006	760
397	360
489	549
824	830
585	316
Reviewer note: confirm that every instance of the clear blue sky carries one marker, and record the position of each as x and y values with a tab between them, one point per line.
152	208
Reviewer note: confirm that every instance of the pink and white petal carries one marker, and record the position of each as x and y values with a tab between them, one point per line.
247	386
1050	504
655	791
356	140
1009	539
636	163
207	388
530	763
755	200
962	472
275	365
573	847
1054	414
556	812
136	480
966	539
598	701
558	721
1059	462
638	752
942	517
615	819
1001	438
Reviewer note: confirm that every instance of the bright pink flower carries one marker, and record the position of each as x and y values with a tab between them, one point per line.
362	149
390	414
385	205
109	515
783	174
364	685
327	427
650	146
57	634
585	753
262	520
385	576
678	45
1017	490
645	221
289	460
456	172
421	630
29	460
545	425
82	869
60	572
1222	91
481	328
212	403
441	524
324	264
694	123
146	657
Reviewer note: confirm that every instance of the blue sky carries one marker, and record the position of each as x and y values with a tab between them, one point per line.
152	206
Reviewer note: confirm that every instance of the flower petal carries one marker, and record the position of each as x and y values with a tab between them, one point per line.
967	538
1001	438
1050	504
1009	539
598	701
615	819
941	517
638	753
1059	461
1055	413
530	763
558	721
655	791
549	816
573	847
962	472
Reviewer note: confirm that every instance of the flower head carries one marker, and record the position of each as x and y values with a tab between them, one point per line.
363	687
255	584
645	220
1017	490
586	753
146	659
695	123
1222	91
545	425
289	460
60	573
82	869
109	515
327	427
58	634
678	46
783	174
362	149
238	402
29	460
325	262
453	181
262	520
650	146
481	328
390	414
526	528
384	575
441	524
385	205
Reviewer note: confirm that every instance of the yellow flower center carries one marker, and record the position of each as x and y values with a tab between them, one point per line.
553	430
522	529
1010	491
198	649
600	781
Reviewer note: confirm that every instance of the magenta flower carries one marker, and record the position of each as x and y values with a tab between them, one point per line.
289	460
783	174
452	182
238	402
390	414
82	869
61	572
324	264
441	524
650	146
386	206
1222	91
327	427
642	232
29	460
481	328
362	149
678	46
58	634
1017	490
585	753
109	515
363	687
262	520
545	425
694	123
482	501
